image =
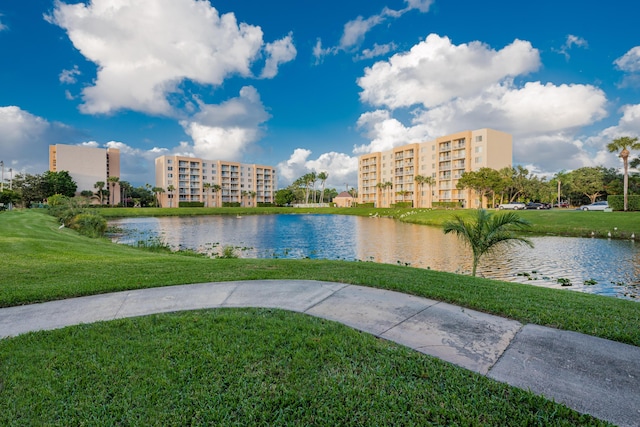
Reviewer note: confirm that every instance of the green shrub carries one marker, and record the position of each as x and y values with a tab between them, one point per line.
191	204
265	205
617	202
365	205
89	224
230	204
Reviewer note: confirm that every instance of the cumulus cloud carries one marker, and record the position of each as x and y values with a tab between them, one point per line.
569	43
436	71
341	168
145	48
226	131
3	27
440	88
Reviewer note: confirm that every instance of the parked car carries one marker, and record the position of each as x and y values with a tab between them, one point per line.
513	205
561	205
597	206
532	205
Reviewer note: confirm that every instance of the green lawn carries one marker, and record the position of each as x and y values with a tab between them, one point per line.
255	366
247	367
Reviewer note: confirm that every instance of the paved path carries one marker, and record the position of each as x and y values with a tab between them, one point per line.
589	374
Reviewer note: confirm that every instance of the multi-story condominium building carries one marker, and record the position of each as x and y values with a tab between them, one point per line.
389	177
213	182
87	166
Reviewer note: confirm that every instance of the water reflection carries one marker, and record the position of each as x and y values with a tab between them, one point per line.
609	263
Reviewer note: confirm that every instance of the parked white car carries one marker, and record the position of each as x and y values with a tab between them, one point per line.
597	206
514	205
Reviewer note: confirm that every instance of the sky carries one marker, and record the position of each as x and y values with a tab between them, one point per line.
311	85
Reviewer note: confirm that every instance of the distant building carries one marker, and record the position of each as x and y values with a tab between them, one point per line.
87	165
196	180
343	200
389	177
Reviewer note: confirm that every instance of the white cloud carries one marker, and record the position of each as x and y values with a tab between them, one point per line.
145	48
377	50
3	27
25	140
436	71
630	61
70	76
279	52
342	168
226	131
355	31
570	42
422	5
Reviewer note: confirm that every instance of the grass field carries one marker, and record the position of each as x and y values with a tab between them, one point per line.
255	366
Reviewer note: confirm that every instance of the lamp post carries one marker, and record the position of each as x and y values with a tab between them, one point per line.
10	178
2	182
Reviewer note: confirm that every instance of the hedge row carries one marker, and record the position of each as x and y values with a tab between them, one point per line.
617	202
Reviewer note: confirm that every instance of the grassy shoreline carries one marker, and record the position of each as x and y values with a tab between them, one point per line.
42	263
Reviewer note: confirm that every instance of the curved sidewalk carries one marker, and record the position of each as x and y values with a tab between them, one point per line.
589	374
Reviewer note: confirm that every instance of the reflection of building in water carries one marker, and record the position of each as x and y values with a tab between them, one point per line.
389	177
389	241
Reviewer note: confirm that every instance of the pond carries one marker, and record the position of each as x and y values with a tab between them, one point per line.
609	267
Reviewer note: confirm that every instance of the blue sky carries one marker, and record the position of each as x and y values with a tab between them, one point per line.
305	85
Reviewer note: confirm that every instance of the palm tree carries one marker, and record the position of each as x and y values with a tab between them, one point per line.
243	194
625	144
379	186
388	185
113	180
157	191
322	176
171	189
252	196
487	231
205	189
99	186
216	189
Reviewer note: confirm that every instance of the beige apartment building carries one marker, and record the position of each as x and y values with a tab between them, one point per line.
87	166
213	182
389	177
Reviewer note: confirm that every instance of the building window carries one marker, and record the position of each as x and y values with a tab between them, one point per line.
479	138
169	161
478	159
478	149
170	175
170	168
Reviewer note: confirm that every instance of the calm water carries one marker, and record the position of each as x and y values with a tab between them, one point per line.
613	264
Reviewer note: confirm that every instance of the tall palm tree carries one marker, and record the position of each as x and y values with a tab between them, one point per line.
252	197
625	144
388	185
205	189
157	191
487	231
322	176
99	186
216	189
171	189
113	180
379	187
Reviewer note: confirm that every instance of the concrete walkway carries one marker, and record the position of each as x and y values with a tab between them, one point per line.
588	374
